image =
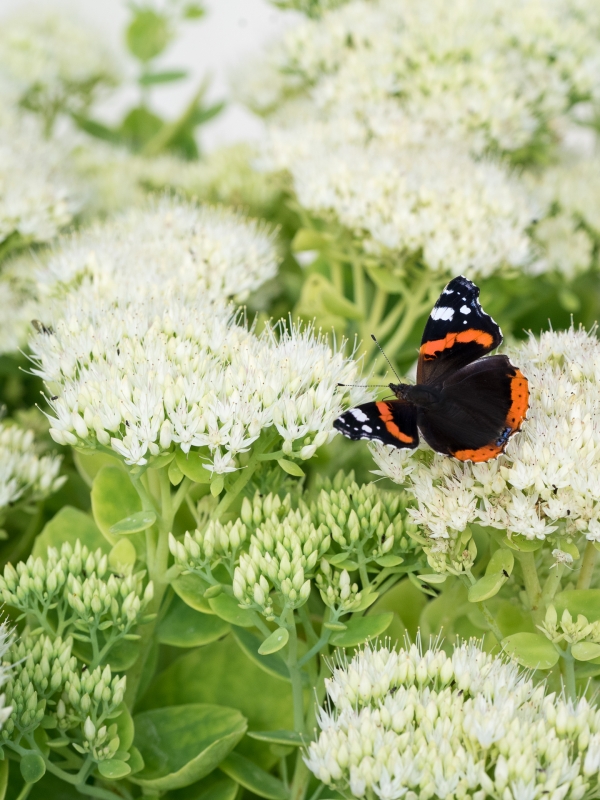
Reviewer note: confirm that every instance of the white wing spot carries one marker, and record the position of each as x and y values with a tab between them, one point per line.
367	429
448	291
465	310
442	312
359	415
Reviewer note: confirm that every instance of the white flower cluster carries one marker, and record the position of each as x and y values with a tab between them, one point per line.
496	73
25	476
54	61
167	246
39	194
145	377
424	196
18	302
569	191
414	725
549	478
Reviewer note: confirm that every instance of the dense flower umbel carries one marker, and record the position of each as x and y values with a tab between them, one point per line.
549	478
428	725
496	74
73	592
39	194
25	476
421	195
54	62
170	244
146	377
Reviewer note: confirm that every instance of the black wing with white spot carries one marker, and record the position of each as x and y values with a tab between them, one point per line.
391	422
457	333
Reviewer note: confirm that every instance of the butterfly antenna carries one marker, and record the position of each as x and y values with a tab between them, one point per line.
386	358
365	385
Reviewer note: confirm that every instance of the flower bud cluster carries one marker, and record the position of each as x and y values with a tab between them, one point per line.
337	590
403	723
39	668
568	629
75	585
91	698
549	478
282	555
25	476
206	549
364	518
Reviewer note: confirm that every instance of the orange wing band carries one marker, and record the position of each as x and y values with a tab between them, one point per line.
388	420
519	403
438	345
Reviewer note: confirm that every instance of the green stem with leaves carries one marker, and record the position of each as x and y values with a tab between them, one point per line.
532	586
587	566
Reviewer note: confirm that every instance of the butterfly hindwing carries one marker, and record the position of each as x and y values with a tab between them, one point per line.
391	422
457	332
481	406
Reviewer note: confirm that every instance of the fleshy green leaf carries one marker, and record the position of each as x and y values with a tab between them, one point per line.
113	499
166	76
307	239
432	577
123	554
384	279
486	587
501	561
33	768
191	589
136	762
579	601
362	628
291	467
183	626
191	464
3	777
227	607
519	542
89	464
253	778
114	769
140	521
148	34
389	560
585	651
274	642
531	650
125	729
182	744
69	525
250	644
290	738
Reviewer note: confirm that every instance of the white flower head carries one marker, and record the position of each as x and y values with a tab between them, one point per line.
54	61
412	723
169	244
25	476
549	476
145	376
39	194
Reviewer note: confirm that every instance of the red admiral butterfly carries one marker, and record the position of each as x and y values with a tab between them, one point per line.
464	405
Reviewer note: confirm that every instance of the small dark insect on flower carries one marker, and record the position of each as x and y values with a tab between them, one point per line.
54	397
505	573
41	328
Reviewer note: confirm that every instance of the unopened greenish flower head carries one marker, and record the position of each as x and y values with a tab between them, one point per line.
169	245
26	476
413	724
548	481
144	377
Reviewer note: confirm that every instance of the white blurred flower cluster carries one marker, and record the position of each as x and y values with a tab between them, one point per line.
25	476
425	196
39	193
549	478
407	724
53	62
386	115
145	377
166	245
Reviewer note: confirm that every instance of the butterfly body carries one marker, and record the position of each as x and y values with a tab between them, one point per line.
463	405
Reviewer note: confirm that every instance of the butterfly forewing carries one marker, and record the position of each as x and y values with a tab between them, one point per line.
457	332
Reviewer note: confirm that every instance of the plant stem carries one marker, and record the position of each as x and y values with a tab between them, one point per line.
568	672
294	670
552	585
532	585
360	294
587	567
337	275
244	477
24	793
377	308
22	543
